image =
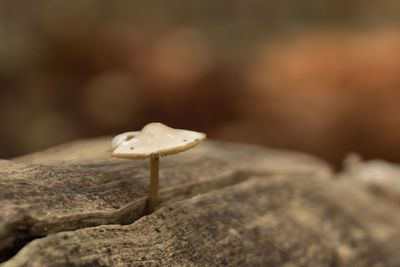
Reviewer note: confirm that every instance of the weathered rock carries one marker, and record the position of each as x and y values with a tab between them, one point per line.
378	176
277	220
77	185
220	204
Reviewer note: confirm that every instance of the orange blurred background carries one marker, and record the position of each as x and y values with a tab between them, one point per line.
321	77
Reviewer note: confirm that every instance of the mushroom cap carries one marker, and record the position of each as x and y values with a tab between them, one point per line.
155	139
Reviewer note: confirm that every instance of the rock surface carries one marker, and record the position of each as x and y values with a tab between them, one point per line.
220	204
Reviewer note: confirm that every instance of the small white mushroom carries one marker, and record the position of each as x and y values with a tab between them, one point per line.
153	141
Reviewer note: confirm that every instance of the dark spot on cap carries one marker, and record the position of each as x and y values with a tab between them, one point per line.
184	140
129	137
132	148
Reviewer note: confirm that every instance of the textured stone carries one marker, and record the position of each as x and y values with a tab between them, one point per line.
276	220
78	185
220	204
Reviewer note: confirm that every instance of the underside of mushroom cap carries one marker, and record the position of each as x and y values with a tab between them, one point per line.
155	139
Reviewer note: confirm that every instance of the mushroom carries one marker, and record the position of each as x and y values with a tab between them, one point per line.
153	141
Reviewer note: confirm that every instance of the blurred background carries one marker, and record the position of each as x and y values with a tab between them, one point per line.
317	76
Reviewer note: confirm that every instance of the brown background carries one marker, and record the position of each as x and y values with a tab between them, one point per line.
316	76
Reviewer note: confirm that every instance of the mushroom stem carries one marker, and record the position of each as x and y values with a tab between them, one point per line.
153	195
